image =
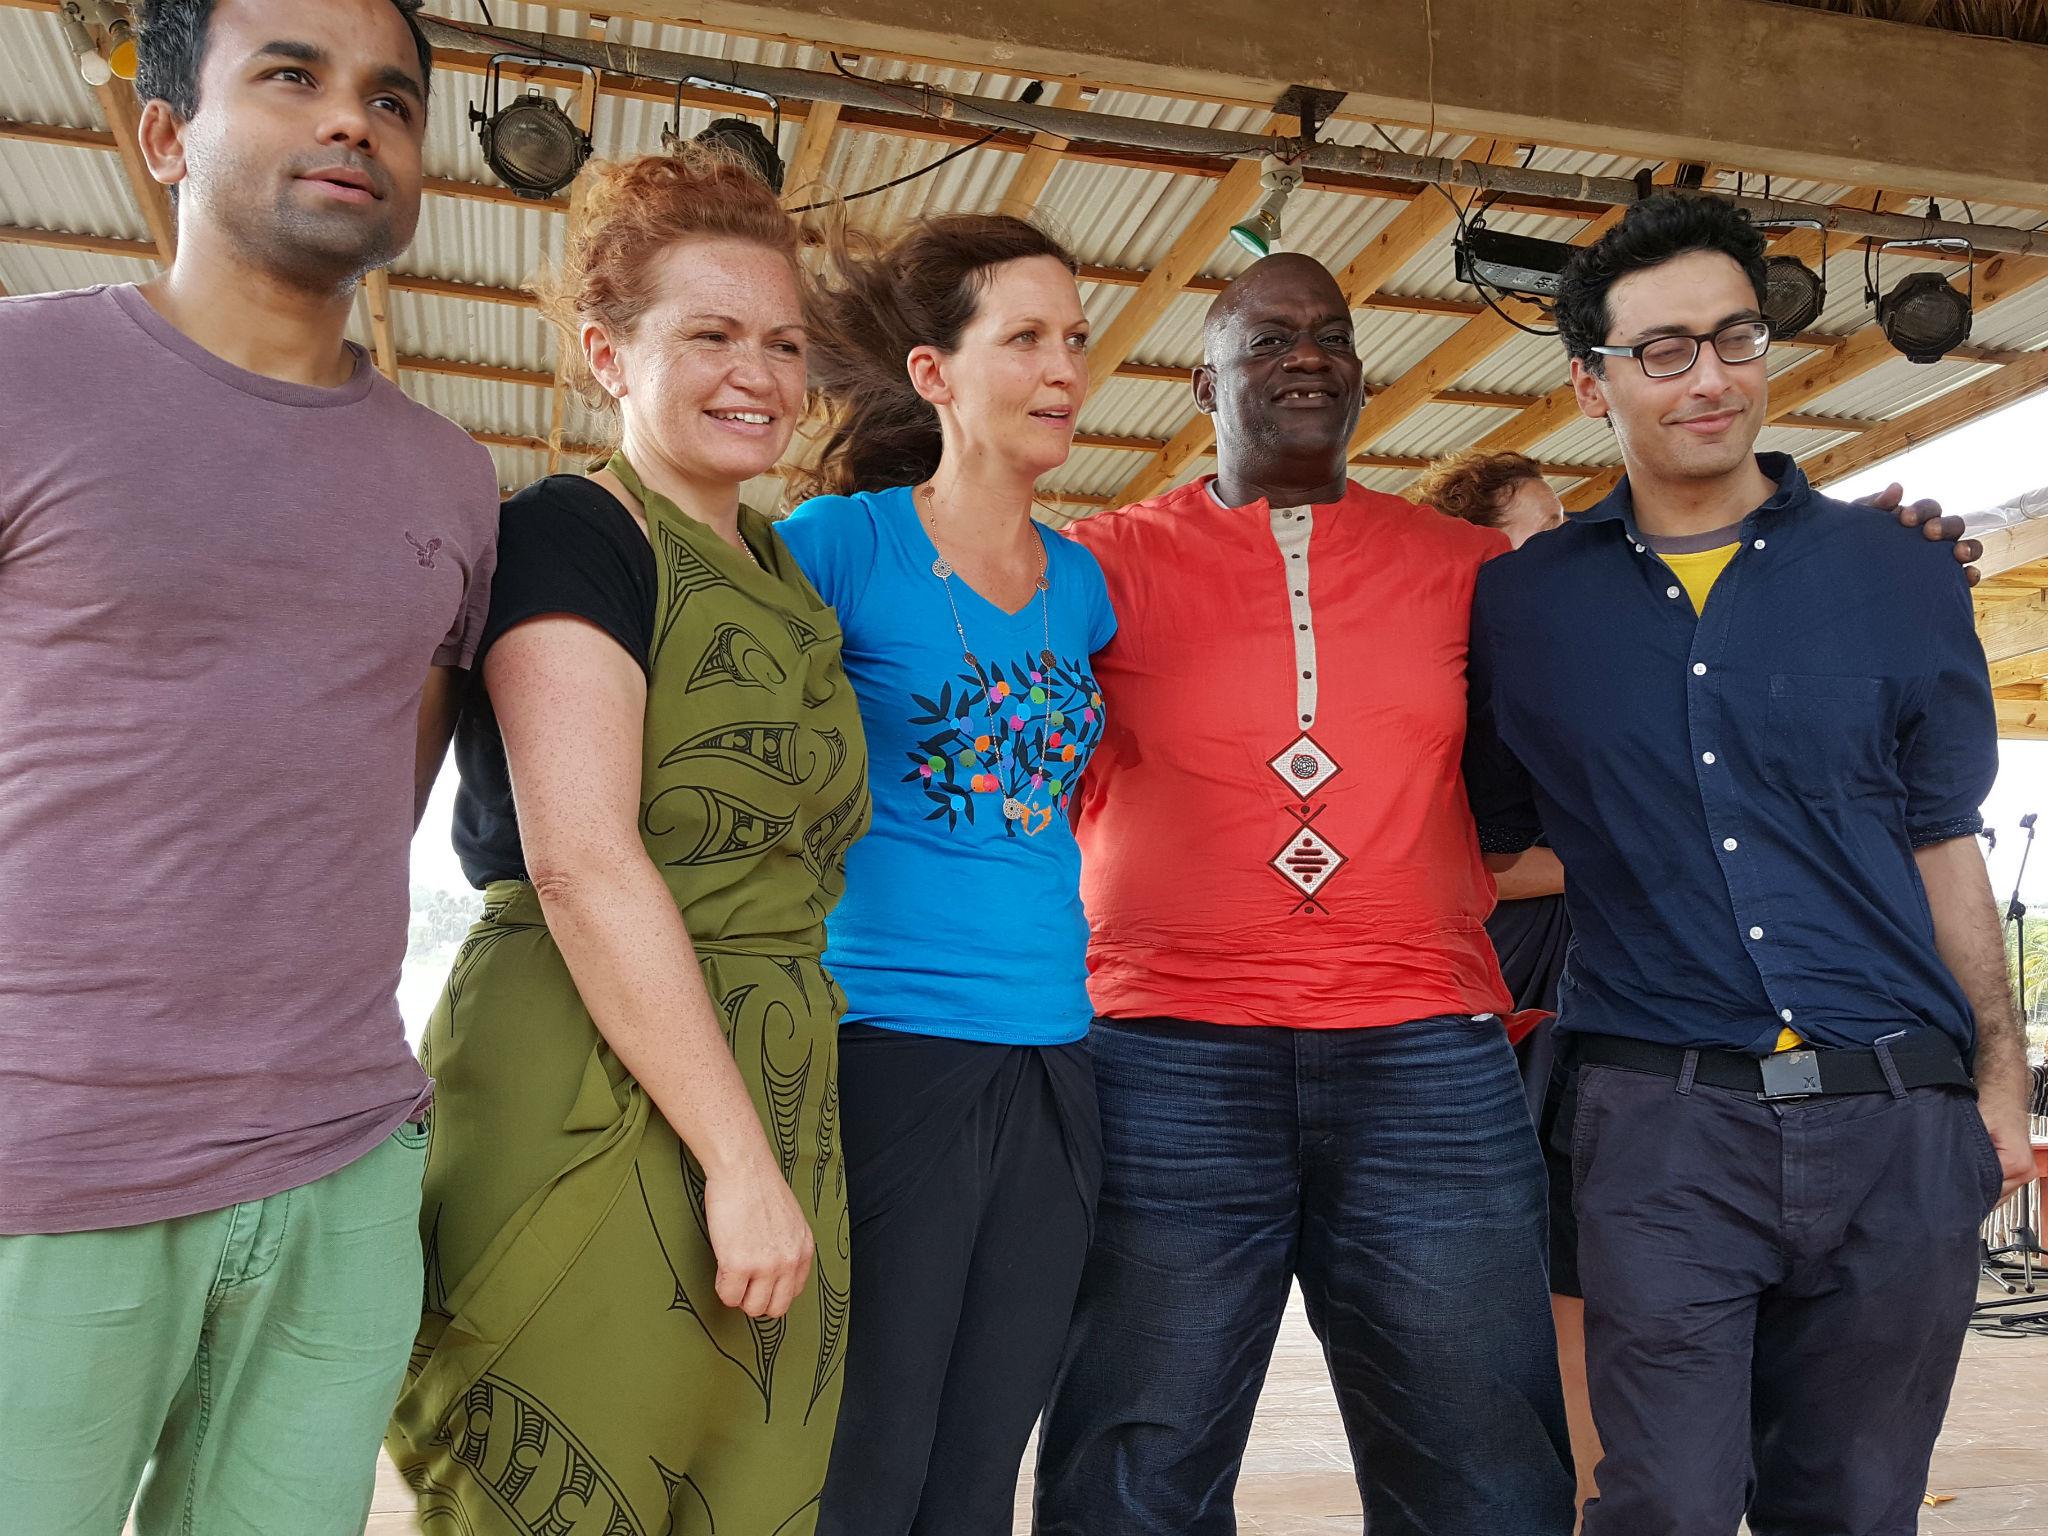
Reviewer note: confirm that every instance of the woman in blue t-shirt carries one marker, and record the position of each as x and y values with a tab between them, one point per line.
954	362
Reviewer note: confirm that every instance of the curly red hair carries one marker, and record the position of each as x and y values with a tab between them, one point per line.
1474	486
632	212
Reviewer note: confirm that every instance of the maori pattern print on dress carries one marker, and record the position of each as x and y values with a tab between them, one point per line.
576	1374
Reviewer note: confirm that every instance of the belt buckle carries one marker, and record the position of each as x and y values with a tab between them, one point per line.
1790	1075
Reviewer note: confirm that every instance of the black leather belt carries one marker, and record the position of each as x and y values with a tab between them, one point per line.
1924	1058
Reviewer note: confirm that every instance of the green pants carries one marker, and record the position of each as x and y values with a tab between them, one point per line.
238	1365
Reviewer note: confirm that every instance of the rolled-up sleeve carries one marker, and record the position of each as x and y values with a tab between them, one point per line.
1948	736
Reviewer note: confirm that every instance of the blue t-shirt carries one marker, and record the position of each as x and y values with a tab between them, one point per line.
957	920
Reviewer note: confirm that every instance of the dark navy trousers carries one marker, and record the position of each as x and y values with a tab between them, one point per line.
1776	1298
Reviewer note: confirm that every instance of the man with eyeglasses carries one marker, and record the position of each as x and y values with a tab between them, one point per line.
1756	724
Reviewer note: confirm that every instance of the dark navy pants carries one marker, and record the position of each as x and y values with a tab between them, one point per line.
1394	1172
1776	1297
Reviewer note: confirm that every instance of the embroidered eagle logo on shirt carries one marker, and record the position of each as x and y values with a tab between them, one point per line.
426	551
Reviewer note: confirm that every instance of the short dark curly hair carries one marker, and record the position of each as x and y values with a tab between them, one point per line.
1651	233
170	45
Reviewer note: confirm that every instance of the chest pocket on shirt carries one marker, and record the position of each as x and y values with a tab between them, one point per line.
1828	735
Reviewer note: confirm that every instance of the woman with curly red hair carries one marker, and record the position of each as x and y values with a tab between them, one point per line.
635	1207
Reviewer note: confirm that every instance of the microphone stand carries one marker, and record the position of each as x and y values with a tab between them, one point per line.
2026	1244
2016	910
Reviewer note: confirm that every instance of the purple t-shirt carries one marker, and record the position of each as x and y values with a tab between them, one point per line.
219	598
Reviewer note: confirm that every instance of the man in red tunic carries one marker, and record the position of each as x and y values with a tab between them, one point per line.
1300	1054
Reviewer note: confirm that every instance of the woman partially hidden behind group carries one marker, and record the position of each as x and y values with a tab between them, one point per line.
635	1207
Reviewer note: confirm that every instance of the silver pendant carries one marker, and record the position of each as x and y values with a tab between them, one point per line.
942	568
1013	808
1044	585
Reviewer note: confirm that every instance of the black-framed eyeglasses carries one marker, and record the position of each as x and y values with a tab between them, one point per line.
1666	357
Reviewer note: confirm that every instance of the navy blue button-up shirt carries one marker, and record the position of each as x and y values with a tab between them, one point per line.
1736	797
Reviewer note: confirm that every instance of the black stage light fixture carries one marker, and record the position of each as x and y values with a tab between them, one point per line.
1794	294
745	139
1924	317
531	144
1518	264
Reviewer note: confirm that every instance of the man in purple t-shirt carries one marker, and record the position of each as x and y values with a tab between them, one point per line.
238	572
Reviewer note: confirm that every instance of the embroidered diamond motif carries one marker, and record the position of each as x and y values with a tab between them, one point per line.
1308	861
1304	767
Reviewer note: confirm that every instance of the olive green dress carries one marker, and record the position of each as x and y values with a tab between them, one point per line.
575	1373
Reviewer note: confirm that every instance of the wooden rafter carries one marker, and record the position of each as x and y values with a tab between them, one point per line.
377	296
2018	549
123	115
1942	414
2028	666
584	114
2013	626
1228	201
1020	200
801	182
1589	491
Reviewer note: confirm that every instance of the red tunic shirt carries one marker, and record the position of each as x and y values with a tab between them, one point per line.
1274	830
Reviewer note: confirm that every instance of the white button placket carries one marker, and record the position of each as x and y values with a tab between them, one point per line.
1306	860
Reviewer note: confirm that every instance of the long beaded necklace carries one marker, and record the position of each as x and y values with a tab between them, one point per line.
1014	808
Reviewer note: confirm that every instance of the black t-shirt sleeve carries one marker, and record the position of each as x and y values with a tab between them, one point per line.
565	545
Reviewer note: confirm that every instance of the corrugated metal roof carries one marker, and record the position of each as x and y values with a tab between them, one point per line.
1110	215
82	191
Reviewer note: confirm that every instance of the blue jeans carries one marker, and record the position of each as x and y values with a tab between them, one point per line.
1394	1172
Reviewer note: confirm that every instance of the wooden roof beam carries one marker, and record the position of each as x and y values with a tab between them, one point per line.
1942	414
1782	88
2019	548
2027	666
583	114
1027	185
377	296
1230	200
2013	627
123	114
803	182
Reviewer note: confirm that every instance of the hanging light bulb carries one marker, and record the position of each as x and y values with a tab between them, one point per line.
1260	232
121	50
93	67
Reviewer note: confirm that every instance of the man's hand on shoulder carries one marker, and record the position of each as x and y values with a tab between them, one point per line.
1926	515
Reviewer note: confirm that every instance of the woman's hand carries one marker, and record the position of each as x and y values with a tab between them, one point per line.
759	1236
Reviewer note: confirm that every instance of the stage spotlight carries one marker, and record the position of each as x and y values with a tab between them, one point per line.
531	144
1924	317
745	139
1794	295
1260	232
